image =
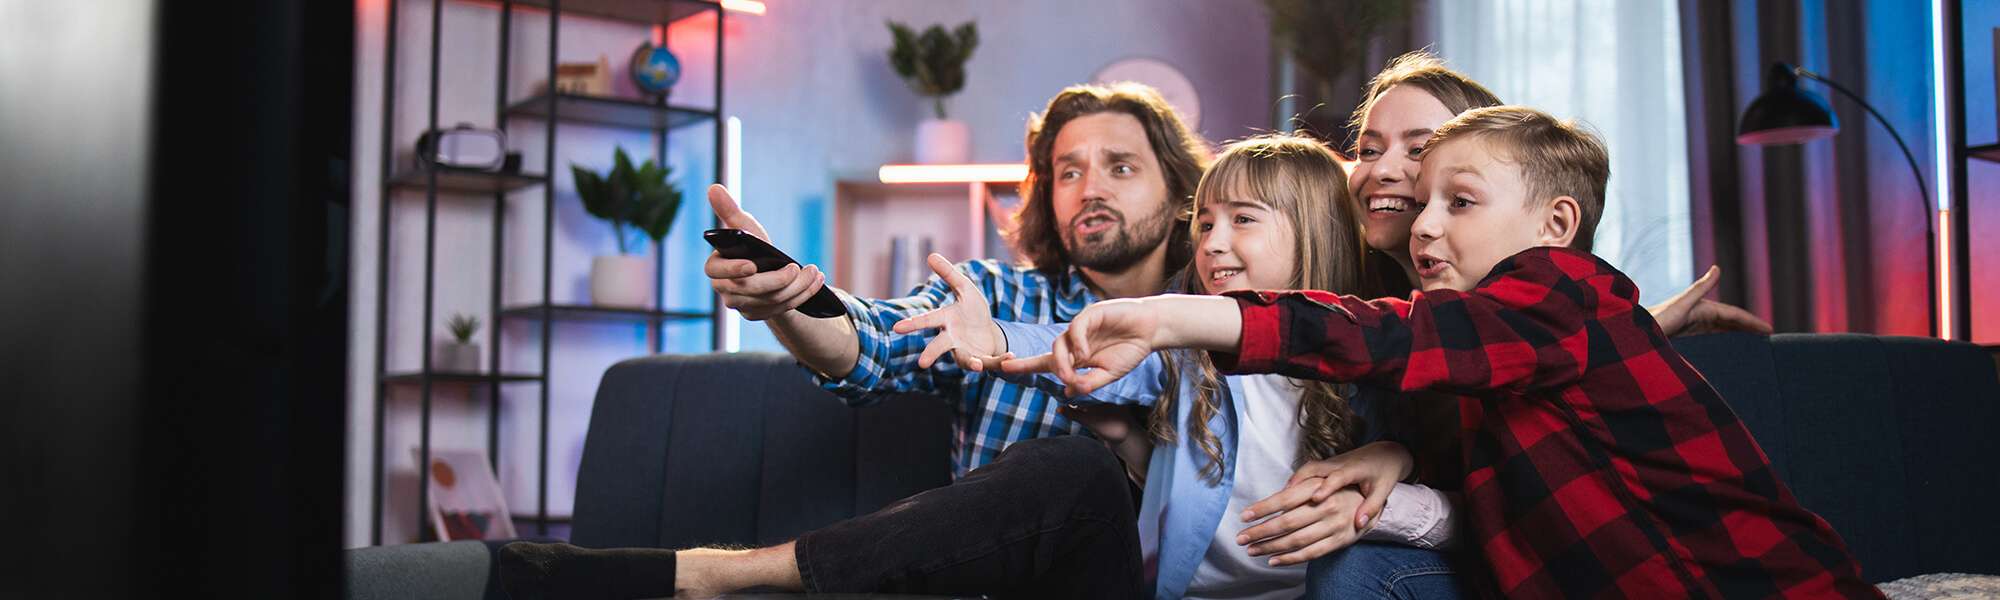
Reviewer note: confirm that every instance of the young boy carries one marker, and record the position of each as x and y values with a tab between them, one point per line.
1596	461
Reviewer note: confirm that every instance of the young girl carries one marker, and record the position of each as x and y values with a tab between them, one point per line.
1271	213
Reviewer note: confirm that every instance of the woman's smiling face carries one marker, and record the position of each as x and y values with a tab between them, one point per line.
1389	152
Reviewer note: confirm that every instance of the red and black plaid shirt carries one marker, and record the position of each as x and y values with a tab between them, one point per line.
1597	461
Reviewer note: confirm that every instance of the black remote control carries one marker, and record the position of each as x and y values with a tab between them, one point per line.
738	244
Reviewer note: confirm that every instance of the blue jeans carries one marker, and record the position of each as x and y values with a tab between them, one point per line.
1371	570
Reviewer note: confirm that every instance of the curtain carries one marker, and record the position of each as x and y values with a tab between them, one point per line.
1616	67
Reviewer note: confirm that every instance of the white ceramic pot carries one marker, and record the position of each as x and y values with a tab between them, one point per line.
941	142
621	281
454	357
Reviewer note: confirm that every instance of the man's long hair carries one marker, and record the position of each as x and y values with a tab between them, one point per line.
1182	153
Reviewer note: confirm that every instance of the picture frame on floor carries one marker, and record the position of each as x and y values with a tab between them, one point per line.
465	498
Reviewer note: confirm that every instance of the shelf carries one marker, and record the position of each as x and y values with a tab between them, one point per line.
530	518
467	181
1989	152
574	312
614	112
458	378
650	12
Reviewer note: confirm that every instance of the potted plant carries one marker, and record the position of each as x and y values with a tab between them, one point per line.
1328	41
459	354
630	198
933	63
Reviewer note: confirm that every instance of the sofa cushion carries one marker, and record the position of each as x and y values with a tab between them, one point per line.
687	450
1878	435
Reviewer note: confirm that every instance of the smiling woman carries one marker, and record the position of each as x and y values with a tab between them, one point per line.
1404	102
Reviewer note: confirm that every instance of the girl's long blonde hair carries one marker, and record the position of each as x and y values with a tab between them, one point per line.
1297	177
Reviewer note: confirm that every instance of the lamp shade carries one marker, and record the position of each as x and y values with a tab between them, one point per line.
1785	114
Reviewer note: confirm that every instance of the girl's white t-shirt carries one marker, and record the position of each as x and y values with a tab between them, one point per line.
1267	449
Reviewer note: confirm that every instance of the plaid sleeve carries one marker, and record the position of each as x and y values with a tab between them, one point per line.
1529	325
887	362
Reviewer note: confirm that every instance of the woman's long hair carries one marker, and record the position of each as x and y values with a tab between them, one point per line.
1299	178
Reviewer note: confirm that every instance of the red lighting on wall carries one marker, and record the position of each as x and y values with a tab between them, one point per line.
1943	274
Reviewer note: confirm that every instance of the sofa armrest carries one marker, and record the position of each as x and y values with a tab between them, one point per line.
454	570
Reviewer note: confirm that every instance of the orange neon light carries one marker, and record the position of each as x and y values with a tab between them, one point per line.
1002	173
1944	273
753	7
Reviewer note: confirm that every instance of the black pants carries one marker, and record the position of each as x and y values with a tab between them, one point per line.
1049	517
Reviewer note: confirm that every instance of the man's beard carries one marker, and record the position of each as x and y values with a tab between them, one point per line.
1116	249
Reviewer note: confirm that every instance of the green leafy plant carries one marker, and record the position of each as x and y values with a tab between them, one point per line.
462	327
933	63
1329	39
638	197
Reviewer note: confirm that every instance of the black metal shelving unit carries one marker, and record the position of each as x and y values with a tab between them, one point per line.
1957	172
551	109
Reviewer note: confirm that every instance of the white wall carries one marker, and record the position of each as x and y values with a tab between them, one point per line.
818	103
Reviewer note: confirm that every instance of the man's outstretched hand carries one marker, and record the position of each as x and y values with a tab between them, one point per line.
966	325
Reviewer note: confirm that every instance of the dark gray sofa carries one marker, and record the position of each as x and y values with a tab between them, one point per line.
1887	438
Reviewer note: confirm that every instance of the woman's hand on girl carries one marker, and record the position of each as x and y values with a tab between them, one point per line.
1370	472
969	332
1373	469
1309	530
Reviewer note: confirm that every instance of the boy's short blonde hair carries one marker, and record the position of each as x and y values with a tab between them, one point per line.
1557	157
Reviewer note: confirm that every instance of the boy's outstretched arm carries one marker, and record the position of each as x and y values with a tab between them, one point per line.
1532	323
1113	337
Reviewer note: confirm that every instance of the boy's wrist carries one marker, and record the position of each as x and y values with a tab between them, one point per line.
1198	322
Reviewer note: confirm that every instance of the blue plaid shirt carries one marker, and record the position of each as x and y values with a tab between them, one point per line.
991	412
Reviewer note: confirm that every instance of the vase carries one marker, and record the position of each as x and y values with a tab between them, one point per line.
621	281
455	357
943	142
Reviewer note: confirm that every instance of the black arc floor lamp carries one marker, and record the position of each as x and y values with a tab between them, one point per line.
1786	114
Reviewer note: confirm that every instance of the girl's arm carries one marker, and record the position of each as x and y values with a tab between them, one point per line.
1114	337
1142	387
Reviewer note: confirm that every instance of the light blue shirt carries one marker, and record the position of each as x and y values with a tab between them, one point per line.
1174	537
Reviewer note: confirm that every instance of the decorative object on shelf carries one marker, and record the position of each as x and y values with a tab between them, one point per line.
907	268
1172	85
639	198
655	70
585	79
465	498
933	64
463	147
459	354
